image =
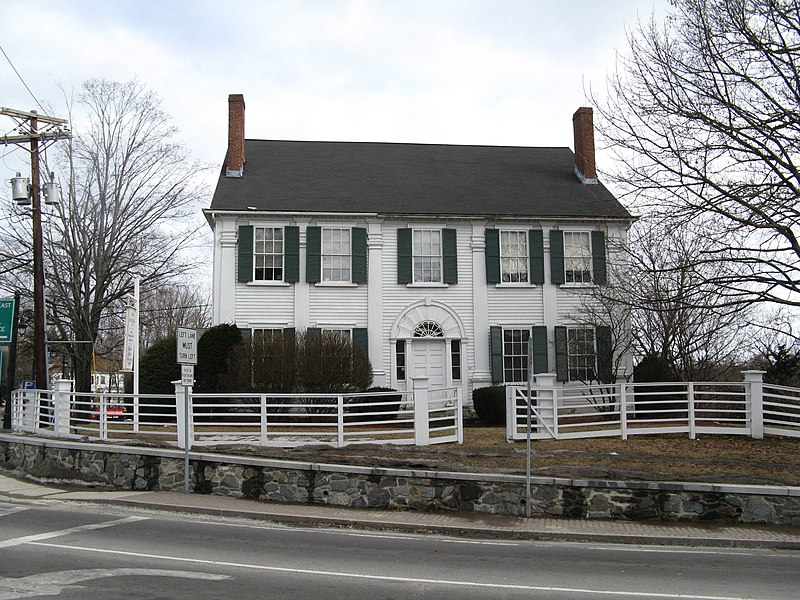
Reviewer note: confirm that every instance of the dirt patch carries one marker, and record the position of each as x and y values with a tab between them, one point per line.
719	459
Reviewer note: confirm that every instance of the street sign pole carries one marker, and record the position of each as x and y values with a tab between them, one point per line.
187	357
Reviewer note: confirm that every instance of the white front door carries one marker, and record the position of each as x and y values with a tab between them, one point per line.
429	359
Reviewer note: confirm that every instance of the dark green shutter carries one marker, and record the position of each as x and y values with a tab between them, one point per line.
245	253
289	334
605	359
562	368
539	335
599	258
496	354
247	335
556	256
313	332
492	239
361	339
536	254
449	256
313	252
404	260
291	254
359	246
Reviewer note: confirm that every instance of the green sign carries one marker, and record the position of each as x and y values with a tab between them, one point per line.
6	320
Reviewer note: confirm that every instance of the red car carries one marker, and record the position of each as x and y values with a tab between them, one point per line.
113	411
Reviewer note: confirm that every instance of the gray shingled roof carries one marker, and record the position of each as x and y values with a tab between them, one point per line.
367	177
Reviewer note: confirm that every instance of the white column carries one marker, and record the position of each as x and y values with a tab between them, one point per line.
482	372
755	394
183	421
375	303
224	300
61	402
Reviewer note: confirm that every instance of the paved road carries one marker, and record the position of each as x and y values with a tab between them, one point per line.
87	551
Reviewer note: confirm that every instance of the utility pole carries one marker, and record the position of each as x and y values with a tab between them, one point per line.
54	129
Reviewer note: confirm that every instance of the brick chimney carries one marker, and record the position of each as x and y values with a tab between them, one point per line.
235	158
583	126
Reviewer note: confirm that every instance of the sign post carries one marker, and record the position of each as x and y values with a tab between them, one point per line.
187	358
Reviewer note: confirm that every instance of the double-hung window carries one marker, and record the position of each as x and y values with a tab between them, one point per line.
336	254
515	354
427	255
514	256
577	257
268	253
581	354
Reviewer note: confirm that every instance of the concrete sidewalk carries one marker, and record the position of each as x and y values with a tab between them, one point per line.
470	524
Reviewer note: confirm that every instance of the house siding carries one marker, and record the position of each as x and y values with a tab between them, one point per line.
307	305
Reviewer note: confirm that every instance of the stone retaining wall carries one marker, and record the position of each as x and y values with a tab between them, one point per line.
136	468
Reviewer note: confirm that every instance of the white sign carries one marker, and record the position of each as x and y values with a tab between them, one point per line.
187	346
131	332
187	375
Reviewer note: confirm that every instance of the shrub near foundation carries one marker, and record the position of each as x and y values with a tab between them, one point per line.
490	404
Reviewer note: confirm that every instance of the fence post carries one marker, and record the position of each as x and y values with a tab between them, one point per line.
181	415
421	421
754	381
623	406
264	435
61	406
459	417
340	420
690	402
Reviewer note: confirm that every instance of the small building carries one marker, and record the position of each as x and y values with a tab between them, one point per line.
441	260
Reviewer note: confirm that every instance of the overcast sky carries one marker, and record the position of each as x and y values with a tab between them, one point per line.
432	71
497	72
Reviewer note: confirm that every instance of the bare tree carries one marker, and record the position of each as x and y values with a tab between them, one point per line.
661	302
703	113
128	210
167	307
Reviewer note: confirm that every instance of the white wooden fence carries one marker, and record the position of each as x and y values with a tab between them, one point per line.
750	407
423	416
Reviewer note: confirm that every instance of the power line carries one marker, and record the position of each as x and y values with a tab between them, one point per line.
35	99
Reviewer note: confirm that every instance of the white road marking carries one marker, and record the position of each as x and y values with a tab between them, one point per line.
27	539
13	509
388	578
51	584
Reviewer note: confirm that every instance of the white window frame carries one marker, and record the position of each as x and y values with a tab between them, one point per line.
267	254
336	256
578	258
518	259
521	360
581	360
427	265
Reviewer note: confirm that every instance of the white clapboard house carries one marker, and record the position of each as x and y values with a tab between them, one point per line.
441	260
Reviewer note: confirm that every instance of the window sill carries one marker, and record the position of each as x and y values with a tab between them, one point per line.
577	285
336	284
269	284
427	284
515	284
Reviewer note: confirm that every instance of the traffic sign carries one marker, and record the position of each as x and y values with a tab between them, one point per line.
187	346
6	320
187	375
